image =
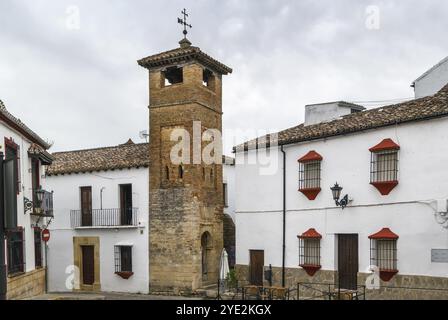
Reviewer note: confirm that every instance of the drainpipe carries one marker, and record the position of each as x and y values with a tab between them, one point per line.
101	197
3	279
284	216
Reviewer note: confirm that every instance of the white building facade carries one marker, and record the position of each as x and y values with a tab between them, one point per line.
432	80
26	213
390	163
100	242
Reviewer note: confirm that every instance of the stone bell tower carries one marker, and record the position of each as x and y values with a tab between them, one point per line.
186	199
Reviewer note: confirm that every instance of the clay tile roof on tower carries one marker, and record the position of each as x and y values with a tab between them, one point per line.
180	55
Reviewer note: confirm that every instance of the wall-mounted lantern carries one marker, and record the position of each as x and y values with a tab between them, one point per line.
40	195
29	204
336	190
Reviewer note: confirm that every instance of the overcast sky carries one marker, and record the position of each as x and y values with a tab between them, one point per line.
82	87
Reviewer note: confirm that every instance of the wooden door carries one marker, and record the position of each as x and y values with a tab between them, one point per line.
86	206
256	267
88	265
348	261
126	204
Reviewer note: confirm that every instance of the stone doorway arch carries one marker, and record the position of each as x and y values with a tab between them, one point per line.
206	250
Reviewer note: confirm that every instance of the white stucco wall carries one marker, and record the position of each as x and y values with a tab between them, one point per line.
67	197
24	220
407	211
229	178
432	81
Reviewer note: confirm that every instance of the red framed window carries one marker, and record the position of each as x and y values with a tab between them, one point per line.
383	253
384	166
309	251
309	174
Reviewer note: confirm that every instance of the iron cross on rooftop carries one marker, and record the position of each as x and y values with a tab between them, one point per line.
184	22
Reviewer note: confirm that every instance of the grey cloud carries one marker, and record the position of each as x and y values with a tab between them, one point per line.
84	89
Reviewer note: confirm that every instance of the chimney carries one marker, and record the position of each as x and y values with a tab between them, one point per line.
325	112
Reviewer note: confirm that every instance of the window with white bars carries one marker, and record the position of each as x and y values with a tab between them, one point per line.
384	166
309	252
309	175
383	254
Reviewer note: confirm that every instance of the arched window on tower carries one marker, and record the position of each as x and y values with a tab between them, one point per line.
167	173
211	175
181	172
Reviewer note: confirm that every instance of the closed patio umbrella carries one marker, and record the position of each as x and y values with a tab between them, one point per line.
224	268
223	272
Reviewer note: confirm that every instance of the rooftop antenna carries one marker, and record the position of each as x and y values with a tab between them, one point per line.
184	22
144	135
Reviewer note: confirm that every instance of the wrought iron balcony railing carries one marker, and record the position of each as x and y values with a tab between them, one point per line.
115	217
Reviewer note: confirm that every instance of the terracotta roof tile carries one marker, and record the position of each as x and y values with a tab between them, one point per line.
182	55
124	156
410	111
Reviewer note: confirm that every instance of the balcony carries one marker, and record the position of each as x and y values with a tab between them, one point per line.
104	218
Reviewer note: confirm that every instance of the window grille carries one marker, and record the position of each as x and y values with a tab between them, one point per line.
383	253
384	166
309	251
309	175
123	259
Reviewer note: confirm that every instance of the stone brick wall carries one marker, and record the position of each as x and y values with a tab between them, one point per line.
400	287
408	287
183	208
26	285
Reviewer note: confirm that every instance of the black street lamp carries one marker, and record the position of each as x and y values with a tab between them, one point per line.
336	190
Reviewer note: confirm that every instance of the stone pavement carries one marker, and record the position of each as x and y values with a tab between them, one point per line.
106	296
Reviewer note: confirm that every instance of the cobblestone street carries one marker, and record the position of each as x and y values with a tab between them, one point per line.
107	296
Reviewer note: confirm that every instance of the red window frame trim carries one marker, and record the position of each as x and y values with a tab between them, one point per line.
310	156
386	144
385	234
310	193
311	234
385	187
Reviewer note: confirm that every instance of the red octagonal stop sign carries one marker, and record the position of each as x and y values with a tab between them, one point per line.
45	235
